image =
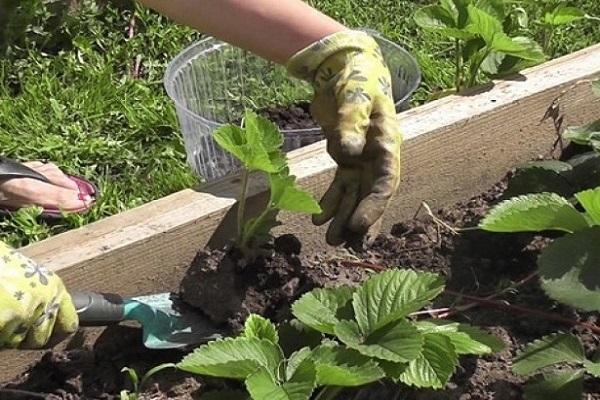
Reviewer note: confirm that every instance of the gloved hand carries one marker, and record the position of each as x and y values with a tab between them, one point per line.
33	302
353	104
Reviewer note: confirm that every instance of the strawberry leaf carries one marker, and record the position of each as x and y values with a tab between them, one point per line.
549	350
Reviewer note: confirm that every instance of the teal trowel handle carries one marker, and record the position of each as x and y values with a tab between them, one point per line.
98	309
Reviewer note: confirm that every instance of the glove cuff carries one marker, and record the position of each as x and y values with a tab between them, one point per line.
305	63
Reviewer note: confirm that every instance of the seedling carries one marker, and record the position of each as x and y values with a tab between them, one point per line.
366	335
481	44
138	385
568	267
552	350
257	145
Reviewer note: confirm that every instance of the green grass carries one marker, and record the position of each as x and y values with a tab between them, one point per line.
67	93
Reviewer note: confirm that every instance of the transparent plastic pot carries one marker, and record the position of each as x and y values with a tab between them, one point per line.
212	83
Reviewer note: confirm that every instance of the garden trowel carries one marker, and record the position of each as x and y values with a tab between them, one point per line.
166	323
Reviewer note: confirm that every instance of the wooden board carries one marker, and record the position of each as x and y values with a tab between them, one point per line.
454	148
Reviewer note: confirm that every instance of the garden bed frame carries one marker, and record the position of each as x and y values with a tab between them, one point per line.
454	148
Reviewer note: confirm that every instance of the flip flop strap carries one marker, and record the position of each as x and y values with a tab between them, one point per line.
11	169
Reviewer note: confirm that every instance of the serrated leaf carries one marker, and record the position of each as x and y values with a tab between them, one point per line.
434	367
398	342
319	308
294	335
338	366
561	386
262	386
539	178
587	135
438	19
262	132
296	360
495	8
392	370
285	195
483	24
237	141
563	15
534	213
592	368
466	339
234	358
259	327
521	47
590	201
549	350
569	269
392	295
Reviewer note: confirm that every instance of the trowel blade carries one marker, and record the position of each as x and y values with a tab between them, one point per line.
168	324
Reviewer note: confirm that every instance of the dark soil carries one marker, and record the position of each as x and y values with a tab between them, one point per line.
288	118
473	262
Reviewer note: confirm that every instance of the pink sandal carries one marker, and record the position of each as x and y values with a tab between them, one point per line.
11	169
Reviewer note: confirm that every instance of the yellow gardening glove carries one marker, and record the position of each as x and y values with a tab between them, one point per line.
353	104
33	302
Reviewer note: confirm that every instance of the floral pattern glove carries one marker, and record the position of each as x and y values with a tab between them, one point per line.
33	302
354	106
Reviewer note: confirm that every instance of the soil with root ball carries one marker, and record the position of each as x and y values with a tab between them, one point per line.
472	261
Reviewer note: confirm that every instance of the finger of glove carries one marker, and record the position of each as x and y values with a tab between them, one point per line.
337	228
40	331
9	334
330	201
385	175
67	320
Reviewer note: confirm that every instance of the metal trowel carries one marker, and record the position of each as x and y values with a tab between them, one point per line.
166	323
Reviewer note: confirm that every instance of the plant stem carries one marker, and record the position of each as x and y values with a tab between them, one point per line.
525	310
458	64
476	65
242	205
328	393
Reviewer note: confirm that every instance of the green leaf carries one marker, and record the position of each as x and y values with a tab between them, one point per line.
294	335
237	142
561	386
563	15
495	8
338	366
596	88
483	24
262	132
296	360
259	327
569	269
549	350
285	195
434	366
392	295
319	308
587	135
262	386
466	339
234	358
534	213
592	368
539	177
590	201
438	19
133	377
399	341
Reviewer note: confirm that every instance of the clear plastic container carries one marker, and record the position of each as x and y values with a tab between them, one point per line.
212	83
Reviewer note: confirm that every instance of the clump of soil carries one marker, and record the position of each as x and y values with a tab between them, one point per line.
288	118
224	287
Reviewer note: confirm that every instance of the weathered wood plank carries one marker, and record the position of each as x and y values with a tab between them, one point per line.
454	148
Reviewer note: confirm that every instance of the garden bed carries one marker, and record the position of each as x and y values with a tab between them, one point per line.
455	148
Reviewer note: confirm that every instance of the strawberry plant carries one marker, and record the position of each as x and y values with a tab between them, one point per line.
366	334
481	44
257	146
554	350
568	267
